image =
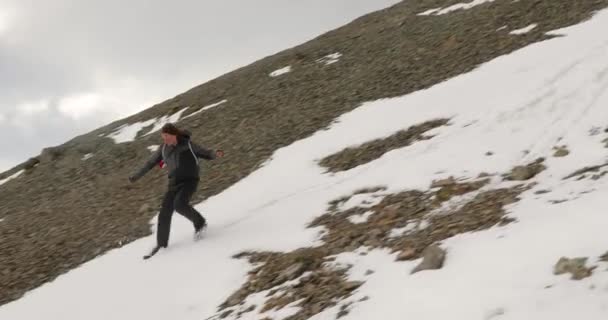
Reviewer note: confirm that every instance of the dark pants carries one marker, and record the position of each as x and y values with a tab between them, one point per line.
177	198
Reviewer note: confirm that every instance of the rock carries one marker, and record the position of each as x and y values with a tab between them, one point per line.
226	314
575	266
369	272
292	272
352	285
542	191
604	257
433	258
522	173
489	153
444	182
406	254
234	299
561	152
343	311
31	163
52	153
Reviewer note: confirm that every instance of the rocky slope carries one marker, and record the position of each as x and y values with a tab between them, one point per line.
63	210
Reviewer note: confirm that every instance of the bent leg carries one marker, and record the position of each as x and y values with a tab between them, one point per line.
182	204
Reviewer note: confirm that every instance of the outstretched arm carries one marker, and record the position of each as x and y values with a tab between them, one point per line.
154	160
202	152
206	153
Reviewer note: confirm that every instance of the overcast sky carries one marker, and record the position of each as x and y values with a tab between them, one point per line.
70	66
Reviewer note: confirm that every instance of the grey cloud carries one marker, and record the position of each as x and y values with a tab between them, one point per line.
61	48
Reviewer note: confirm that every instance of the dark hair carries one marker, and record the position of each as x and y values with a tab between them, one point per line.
171	129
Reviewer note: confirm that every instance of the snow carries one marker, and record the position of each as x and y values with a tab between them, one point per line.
416	225
365	200
531	99
524	30
166	119
87	156
206	108
153	148
429	12
455	7
330	58
9	178
128	132
281	71
360	218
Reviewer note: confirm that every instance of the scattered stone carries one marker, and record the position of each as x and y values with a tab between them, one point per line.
561	151
558	201
369	272
448	191
343	311
364	299
226	313
326	285
489	153
585	170
594	131
352	285
406	254
542	191
355	156
522	173
575	266
292	272
443	182
604	257
433	258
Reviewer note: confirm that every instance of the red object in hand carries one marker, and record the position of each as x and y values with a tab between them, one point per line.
161	164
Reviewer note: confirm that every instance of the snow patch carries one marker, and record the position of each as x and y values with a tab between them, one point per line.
281	71
153	148
429	12
455	7
15	175
330	58
206	108
166	119
365	200
524	30
87	156
128	132
412	226
360	218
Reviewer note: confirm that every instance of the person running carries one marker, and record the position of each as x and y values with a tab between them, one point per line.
181	157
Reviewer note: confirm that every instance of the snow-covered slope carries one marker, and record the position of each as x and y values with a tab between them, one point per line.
519	107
